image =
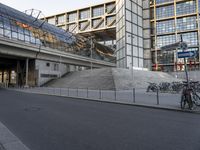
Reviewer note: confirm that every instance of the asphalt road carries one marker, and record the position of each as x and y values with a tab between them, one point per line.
54	123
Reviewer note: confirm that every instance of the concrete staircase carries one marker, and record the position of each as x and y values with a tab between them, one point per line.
95	79
124	80
111	78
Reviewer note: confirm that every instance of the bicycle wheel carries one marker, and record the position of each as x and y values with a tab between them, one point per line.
190	102
183	102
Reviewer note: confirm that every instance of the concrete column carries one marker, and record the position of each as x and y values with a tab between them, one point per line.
17	73
9	76
26	84
2	76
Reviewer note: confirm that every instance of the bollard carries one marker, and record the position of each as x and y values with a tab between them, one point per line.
77	92
68	91
115	94
99	93
133	95
54	91
157	95
87	93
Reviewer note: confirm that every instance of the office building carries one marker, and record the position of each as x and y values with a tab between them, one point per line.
137	29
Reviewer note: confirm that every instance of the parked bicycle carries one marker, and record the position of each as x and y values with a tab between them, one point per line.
189	96
165	86
176	86
152	87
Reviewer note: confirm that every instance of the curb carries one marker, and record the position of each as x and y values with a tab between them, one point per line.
9	141
121	103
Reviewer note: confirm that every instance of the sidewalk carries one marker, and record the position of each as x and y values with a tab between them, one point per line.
8	141
136	97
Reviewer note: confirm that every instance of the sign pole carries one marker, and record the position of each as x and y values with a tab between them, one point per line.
185	64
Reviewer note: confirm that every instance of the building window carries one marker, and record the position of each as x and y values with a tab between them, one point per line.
165	40
97	23
85	25
61	19
98	11
110	8
72	27
110	20
48	64
165	26
56	67
84	14
190	38
164	12
187	7
51	21
163	1
186	23
72	17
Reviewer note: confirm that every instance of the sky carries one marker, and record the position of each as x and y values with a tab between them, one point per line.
50	7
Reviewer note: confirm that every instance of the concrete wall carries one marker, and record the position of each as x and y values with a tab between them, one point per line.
193	75
47	70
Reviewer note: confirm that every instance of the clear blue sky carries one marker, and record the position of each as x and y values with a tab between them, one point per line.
49	7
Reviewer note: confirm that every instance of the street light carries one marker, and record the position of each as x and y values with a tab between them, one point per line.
91	48
131	64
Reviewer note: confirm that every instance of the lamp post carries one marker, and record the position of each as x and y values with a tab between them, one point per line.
131	65
91	48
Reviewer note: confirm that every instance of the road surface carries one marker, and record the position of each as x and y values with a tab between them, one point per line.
55	123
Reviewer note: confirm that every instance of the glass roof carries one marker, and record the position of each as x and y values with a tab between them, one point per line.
26	28
34	22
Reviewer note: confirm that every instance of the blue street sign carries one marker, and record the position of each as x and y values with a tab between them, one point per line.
187	54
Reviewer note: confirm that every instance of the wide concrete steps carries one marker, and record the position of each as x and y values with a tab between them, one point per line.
111	78
95	79
127	79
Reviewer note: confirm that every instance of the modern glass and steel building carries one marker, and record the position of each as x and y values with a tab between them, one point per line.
98	20
169	20
21	31
139	28
117	24
19	26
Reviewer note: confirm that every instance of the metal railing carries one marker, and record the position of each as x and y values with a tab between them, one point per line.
134	96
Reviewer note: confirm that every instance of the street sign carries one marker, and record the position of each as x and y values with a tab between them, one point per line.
187	54
171	46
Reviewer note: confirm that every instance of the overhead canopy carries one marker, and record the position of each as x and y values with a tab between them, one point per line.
36	23
21	26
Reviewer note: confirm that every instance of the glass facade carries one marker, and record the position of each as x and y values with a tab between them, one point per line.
186	23
187	7
72	17
51	20
110	8
98	11
129	28
20	27
173	19
97	23
110	20
167	26
165	40
84	14
165	11
163	1
84	25
120	29
23	28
